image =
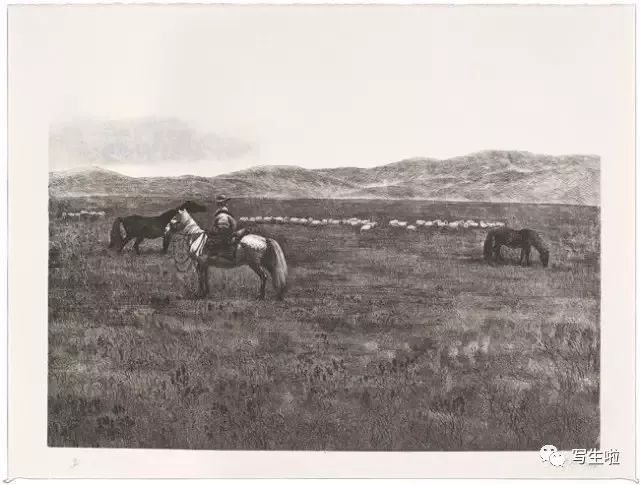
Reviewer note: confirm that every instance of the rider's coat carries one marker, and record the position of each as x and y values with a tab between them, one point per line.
223	222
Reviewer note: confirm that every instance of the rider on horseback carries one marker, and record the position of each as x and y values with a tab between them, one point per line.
223	227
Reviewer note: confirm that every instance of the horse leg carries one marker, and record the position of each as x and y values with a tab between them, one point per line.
524	255
492	256
124	243
263	278
201	280
166	240
136	245
496	253
205	275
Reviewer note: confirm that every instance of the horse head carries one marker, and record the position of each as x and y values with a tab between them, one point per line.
193	207
177	222
544	257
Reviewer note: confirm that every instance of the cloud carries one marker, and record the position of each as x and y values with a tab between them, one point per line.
138	141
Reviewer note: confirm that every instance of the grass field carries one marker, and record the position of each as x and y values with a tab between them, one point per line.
387	341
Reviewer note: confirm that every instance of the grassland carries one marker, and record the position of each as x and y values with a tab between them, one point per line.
387	341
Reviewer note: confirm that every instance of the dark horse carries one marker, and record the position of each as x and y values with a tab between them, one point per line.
523	238
141	227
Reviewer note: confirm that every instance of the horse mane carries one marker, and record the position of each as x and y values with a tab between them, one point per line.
168	214
188	220
172	212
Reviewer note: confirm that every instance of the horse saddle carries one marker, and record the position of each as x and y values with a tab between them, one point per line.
226	249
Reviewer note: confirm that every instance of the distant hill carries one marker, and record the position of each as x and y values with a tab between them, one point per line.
498	176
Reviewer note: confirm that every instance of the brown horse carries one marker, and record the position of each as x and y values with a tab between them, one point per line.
523	239
142	227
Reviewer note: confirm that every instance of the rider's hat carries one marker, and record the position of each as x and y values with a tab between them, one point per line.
222	199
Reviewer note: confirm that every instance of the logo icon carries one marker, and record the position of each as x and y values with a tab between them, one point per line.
550	453
557	459
546	451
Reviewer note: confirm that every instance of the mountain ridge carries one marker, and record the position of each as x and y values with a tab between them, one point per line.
488	176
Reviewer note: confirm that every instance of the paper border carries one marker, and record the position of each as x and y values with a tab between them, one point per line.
27	252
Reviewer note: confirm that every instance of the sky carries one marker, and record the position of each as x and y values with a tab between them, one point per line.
321	86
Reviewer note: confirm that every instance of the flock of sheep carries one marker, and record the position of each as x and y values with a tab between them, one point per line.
363	224
460	224
367	225
83	214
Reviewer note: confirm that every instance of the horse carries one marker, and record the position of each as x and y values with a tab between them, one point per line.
262	255
142	227
523	238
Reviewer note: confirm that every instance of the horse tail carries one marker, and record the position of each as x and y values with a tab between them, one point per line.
275	262
116	235
488	245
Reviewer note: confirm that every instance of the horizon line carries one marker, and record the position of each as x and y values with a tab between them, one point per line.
407	159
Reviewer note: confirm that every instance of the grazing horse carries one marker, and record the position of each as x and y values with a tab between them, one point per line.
141	227
524	239
262	255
